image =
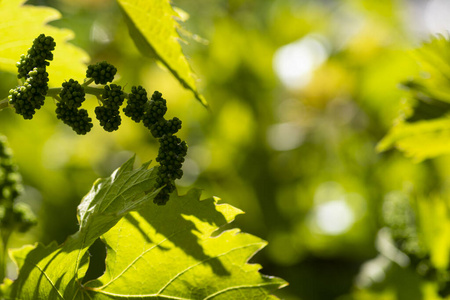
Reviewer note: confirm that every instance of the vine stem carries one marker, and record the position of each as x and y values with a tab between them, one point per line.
54	93
88	82
5	234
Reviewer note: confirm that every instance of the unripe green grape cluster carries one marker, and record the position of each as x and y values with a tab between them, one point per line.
32	67
30	96
39	55
170	157
109	113
137	100
10	179
67	110
72	94
102	73
171	149
13	216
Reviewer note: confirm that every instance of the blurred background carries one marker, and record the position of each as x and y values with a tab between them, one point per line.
300	92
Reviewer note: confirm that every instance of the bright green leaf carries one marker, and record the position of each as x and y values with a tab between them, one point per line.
420	140
174	256
21	24
153	27
174	251
423	128
434	59
57	270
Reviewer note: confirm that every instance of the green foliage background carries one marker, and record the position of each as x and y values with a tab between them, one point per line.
337	120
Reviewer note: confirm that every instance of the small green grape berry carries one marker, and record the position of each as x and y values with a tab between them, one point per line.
156	95
10	179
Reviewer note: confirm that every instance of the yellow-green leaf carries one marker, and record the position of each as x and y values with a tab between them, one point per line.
21	24
174	251
420	140
153	27
176	256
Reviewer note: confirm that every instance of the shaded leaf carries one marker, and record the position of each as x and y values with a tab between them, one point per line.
425	106
21	24
153	27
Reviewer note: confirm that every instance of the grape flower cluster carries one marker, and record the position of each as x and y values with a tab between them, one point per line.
29	97
13	216
109	113
101	73
171	149
67	110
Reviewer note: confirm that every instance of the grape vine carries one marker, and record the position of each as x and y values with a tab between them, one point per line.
27	98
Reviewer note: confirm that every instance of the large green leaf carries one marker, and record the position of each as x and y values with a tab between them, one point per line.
176	251
169	252
58	270
153	27
21	24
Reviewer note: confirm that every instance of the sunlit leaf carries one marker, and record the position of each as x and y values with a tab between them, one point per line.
21	24
173	255
153	27
420	140
57	270
433	58
174	251
423	128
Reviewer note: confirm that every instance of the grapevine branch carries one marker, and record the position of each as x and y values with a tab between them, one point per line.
29	97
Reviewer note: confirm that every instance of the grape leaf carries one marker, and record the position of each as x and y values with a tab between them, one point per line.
174	251
168	252
419	140
433	58
58	270
422	130
153	28
21	24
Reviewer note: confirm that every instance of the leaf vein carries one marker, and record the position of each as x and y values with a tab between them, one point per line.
49	280
239	287
201	262
133	262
